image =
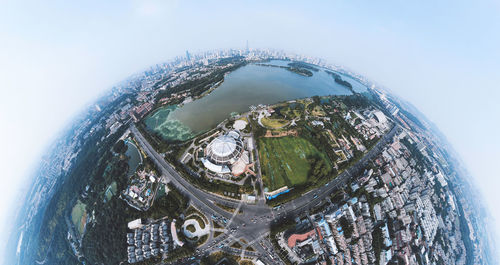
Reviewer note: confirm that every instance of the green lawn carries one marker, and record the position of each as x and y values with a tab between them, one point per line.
284	160
236	245
111	190
79	216
197	218
191	228
273	123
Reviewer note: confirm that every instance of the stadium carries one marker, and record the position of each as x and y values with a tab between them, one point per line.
222	152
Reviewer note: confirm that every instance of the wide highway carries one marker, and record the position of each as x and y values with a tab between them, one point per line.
253	224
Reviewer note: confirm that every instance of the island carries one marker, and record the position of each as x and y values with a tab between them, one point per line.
301	69
339	80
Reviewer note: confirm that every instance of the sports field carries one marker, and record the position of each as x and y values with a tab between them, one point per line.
284	162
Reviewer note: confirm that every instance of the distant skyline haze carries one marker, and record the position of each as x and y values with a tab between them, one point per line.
57	57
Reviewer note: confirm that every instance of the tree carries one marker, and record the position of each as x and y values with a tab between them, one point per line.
120	147
346	226
248	185
319	168
316	100
378	240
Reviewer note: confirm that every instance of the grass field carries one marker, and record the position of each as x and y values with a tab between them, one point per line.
273	123
292	113
191	228
79	216
198	219
111	190
236	245
318	111
284	160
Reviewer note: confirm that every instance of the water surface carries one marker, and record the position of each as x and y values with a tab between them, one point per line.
249	85
134	158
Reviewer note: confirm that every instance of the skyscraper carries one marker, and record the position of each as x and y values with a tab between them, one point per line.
188	57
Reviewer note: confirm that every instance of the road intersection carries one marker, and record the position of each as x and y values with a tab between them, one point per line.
251	222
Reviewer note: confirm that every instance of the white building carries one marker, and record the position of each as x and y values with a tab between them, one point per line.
223	152
135	224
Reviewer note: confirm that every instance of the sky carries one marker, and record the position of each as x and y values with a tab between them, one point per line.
56	57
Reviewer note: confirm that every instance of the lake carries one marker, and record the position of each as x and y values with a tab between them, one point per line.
249	85
134	156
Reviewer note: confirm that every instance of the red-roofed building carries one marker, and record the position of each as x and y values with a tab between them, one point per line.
294	238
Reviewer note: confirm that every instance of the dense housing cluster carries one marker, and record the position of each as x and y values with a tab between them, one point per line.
148	240
398	209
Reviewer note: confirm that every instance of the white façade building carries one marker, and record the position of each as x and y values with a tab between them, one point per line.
222	152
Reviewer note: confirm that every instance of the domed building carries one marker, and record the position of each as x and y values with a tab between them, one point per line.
222	152
225	149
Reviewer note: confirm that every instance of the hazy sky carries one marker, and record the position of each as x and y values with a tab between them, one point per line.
57	56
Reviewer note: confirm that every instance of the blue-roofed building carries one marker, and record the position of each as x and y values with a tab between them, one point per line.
325	227
387	237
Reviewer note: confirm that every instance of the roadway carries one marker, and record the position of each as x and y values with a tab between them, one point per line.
253	224
204	201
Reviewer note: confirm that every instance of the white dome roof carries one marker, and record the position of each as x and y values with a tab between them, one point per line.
225	148
223	145
240	125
